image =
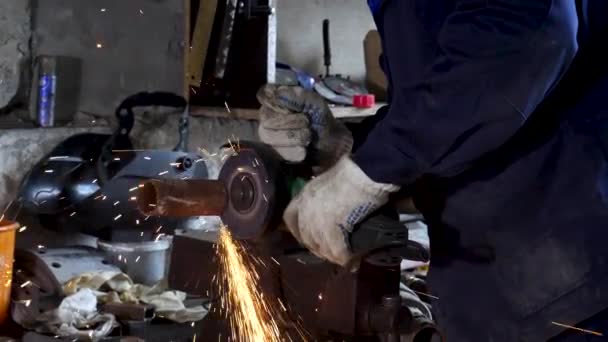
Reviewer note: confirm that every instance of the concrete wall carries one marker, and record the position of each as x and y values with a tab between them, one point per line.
300	38
125	46
14	48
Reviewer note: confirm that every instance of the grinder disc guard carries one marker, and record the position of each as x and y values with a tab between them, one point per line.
256	190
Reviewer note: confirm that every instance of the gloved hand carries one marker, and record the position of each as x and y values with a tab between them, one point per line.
293	119
323	214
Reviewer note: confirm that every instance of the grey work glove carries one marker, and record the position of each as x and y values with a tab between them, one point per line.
330	205
296	121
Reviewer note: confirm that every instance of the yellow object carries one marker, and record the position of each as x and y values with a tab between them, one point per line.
7	250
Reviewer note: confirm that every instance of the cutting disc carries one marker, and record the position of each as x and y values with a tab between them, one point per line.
255	189
344	87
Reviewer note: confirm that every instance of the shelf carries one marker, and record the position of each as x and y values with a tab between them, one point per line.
339	112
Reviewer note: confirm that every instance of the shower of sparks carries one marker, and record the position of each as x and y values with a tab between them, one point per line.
251	317
591	332
235	147
275	261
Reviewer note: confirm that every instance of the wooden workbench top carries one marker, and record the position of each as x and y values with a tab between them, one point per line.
340	112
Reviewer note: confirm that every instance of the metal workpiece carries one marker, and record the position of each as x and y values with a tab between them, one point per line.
129	311
182	198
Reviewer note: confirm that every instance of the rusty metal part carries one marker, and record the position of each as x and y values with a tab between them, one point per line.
182	198
52	267
129	312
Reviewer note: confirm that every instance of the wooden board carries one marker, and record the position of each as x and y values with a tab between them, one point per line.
252	114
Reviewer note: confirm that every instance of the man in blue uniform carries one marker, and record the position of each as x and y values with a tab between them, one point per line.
497	125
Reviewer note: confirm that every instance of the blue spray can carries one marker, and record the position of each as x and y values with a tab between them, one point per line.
47	84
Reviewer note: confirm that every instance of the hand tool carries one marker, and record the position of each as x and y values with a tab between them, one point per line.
253	188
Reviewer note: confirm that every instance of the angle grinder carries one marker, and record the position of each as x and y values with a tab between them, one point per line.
253	189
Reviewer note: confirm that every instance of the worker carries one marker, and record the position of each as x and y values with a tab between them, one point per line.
497	125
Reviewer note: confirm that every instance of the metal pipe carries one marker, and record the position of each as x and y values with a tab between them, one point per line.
182	198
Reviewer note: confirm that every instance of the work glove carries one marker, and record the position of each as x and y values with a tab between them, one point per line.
298	123
325	212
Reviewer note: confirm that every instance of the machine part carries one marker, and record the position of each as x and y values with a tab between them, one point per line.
53	267
197	55
256	188
97	175
226	38
129	312
182	198
126	118
145	262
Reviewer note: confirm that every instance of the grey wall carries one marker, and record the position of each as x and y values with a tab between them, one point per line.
299	40
141	45
14	48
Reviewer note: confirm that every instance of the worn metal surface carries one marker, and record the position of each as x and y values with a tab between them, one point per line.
55	266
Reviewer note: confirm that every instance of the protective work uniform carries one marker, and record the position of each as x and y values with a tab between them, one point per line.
497	125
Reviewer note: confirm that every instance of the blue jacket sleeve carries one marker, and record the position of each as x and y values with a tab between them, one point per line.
492	67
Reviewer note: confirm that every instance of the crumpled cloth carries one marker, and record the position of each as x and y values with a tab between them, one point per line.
115	287
77	315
